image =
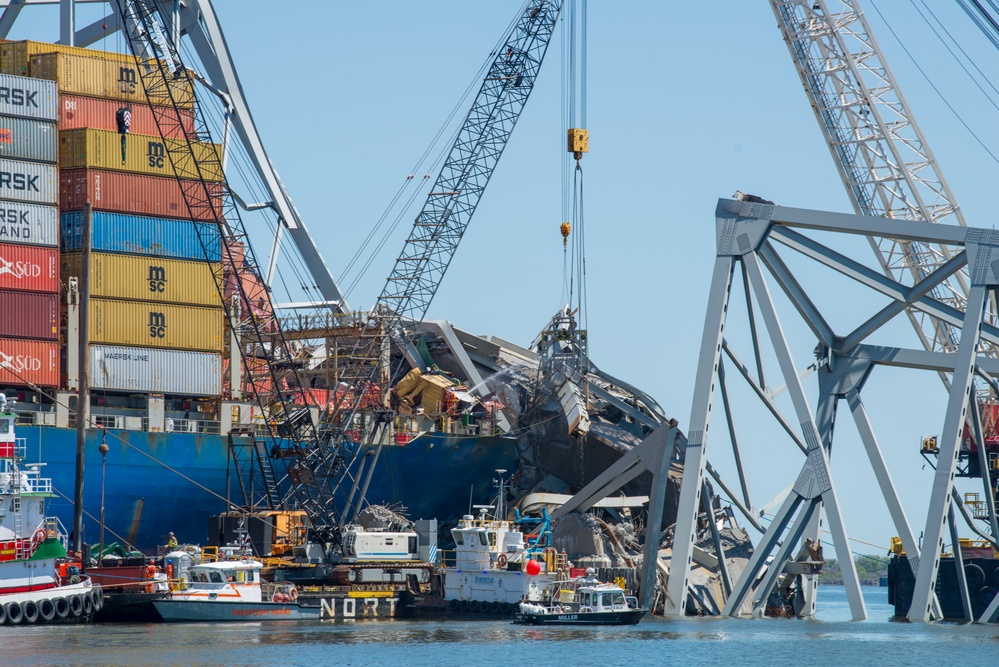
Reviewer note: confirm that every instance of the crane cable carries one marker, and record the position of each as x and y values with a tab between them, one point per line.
574	114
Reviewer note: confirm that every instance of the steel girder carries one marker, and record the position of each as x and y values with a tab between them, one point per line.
651	455
749	235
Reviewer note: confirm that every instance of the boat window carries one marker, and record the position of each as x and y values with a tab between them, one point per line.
215	577
482	538
388	541
458	537
586	598
230	575
200	576
492	538
615	598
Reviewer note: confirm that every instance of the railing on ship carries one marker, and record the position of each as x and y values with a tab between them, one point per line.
405	428
550	561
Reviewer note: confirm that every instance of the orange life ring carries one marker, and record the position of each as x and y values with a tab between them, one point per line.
501	560
293	594
37	538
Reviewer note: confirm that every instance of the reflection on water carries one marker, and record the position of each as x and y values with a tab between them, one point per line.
832	639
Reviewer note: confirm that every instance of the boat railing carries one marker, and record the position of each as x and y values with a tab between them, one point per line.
172	425
11	451
489	560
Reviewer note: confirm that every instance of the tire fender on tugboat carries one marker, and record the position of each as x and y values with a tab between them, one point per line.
14	613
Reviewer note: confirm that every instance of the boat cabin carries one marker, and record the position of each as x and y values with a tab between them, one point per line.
222	580
588	594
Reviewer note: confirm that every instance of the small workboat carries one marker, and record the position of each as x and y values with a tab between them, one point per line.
230	590
583	601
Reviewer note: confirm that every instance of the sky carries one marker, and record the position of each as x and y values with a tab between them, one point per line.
687	103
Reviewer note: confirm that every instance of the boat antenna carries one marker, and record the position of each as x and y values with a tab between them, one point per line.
500	495
471	490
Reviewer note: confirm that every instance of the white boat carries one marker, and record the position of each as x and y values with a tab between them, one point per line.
231	590
494	567
37	585
583	601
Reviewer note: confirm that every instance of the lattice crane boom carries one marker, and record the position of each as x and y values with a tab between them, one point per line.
881	154
421	265
199	171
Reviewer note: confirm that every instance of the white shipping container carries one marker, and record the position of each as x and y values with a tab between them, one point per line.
155	371
31	224
27	139
29	98
29	181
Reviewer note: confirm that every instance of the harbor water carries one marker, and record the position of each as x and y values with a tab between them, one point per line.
831	640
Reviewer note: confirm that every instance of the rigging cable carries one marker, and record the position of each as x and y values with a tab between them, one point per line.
933	85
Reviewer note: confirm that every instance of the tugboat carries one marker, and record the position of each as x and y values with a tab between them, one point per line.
583	601
496	565
37	584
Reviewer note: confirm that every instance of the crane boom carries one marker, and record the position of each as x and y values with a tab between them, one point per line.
881	154
162	74
421	265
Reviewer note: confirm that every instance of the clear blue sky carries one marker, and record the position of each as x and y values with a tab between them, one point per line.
687	103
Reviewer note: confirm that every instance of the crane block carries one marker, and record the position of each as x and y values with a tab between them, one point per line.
579	141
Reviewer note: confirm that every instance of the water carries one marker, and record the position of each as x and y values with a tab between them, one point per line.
831	640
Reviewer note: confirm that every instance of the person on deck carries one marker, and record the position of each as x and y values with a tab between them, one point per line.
172	542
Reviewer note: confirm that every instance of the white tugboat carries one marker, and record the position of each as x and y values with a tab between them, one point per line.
583	601
495	566
36	584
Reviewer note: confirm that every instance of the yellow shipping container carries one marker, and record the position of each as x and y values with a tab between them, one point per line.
108	79
146	278
15	57
156	325
144	154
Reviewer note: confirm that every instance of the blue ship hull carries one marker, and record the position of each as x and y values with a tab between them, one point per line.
155	483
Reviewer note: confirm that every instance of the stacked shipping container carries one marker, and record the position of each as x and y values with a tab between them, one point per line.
156	323
29	262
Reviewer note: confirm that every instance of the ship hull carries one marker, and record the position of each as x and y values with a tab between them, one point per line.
173	611
157	483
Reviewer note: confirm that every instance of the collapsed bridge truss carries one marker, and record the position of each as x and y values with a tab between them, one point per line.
749	234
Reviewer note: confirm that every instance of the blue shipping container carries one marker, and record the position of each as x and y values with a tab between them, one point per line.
141	235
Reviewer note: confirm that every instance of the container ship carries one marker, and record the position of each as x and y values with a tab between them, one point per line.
101	256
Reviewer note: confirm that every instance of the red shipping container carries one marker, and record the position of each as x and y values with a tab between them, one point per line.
31	268
29	315
76	111
158	196
24	362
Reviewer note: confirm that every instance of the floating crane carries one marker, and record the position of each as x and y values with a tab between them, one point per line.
149	39
318	477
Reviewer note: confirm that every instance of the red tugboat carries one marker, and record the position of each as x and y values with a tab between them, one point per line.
37	585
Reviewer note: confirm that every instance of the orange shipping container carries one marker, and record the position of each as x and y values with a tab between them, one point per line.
29	268
132	193
29	361
110	79
143	154
76	112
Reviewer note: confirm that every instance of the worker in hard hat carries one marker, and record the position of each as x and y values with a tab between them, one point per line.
172	541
